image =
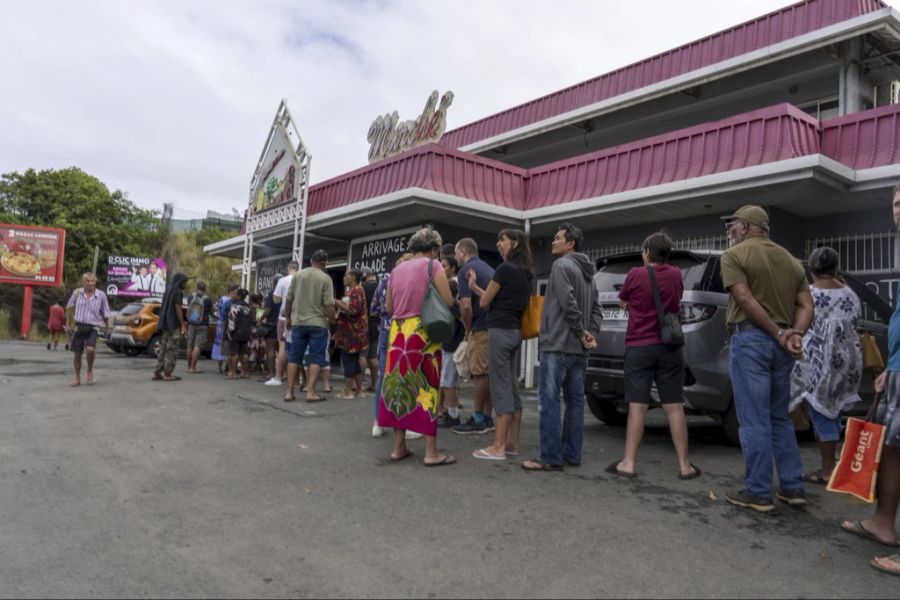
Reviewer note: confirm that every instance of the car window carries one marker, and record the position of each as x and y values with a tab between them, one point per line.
712	277
130	309
611	274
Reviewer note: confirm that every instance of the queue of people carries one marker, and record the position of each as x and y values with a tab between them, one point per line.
792	346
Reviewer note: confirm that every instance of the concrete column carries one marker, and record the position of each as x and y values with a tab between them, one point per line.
850	95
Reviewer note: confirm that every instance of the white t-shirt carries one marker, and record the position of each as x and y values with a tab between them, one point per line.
281	290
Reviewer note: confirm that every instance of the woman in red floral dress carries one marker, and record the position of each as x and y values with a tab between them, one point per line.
352	336
410	393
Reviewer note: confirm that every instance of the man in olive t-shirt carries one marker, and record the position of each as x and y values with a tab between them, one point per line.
769	310
308	309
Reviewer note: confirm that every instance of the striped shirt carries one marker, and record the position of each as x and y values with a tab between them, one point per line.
90	311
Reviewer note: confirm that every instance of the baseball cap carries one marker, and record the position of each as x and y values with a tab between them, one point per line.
201	285
755	215
319	256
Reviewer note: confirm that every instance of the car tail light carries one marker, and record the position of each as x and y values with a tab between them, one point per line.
692	312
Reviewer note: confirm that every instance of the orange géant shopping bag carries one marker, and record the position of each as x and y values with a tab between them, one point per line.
857	470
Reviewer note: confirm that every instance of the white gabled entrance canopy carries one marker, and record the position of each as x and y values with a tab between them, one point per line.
279	189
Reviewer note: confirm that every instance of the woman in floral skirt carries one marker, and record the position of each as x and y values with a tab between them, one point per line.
410	396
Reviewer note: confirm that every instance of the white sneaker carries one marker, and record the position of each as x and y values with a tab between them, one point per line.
412	435
377	431
274	381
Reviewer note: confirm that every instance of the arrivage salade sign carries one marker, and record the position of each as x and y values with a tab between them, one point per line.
379	254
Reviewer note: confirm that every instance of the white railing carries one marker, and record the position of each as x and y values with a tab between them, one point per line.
862	253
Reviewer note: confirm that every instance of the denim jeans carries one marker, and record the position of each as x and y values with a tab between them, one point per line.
382	359
761	380
566	372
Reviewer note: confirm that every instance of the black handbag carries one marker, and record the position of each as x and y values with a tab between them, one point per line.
669	324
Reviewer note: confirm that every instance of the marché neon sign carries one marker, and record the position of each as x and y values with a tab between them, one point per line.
388	137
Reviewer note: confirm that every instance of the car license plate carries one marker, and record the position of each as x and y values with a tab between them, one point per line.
615	314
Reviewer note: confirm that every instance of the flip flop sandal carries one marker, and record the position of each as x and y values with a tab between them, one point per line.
816	478
156	378
447	460
894	559
288	399
403	457
858	529
541	466
75	384
320	399
485	455
513	453
692	475
613	468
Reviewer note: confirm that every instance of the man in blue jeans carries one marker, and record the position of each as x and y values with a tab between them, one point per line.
570	324
769	310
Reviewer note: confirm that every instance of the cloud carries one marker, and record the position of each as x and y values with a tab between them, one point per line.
171	101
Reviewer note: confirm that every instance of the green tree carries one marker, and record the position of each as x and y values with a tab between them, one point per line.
83	206
216	271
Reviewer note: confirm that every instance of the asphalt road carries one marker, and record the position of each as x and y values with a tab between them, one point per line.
204	487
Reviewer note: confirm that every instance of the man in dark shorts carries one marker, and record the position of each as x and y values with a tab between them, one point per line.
880	526
309	308
199	307
91	311
647	359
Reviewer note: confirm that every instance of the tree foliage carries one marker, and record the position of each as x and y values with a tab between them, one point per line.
193	261
93	216
83	206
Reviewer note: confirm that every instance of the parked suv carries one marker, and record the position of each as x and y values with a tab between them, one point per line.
134	330
707	385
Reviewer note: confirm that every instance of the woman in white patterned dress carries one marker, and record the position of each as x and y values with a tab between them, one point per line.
827	377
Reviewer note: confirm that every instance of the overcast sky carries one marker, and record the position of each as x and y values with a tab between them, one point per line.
171	101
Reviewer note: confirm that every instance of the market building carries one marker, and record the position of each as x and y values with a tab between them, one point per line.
796	110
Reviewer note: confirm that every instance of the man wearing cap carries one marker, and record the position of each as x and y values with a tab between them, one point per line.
769	310
308	309
199	307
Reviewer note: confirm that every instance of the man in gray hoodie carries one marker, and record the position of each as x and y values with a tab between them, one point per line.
570	324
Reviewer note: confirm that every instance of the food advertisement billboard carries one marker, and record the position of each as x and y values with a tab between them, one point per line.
31	255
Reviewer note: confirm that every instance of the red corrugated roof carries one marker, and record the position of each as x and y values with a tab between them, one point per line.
431	167
764	31
864	140
761	136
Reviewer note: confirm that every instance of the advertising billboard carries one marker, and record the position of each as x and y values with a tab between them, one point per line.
31	255
135	276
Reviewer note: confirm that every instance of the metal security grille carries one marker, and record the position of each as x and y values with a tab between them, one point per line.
710	242
862	254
